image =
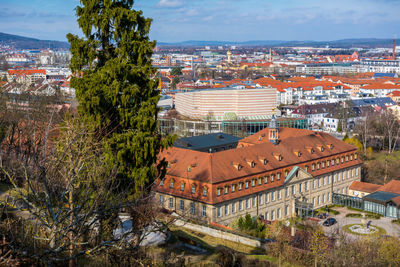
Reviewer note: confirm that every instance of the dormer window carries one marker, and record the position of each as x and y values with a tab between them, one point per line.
351	157
246	184
306	168
272	178
205	191
226	190
318	166
298	153
171	183
313	167
218	191
286	173
337	161
331	146
322	149
193	189
323	164
355	155
253	182
278	176
333	162
259	180
233	188
182	186
342	159
265	179
162	182
252	164
347	158
189	169
240	186
327	163
169	165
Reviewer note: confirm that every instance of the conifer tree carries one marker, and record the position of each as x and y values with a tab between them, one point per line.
114	86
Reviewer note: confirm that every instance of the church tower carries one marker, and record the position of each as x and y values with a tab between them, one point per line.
273	130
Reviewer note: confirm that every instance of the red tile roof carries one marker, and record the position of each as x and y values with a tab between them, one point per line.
364	187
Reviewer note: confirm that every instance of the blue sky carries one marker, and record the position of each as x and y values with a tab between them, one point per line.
228	20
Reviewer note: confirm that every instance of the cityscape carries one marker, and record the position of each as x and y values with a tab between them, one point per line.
178	133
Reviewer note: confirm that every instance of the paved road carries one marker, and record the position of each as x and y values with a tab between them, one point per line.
385	223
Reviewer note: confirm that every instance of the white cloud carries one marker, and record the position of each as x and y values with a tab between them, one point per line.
169	3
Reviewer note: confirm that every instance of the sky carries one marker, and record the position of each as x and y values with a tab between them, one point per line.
220	20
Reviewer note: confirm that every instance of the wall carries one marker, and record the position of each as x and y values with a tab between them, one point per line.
254	242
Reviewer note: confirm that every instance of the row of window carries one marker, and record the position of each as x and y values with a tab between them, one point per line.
182	206
332	162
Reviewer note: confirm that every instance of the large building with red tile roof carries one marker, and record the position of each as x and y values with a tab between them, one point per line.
275	173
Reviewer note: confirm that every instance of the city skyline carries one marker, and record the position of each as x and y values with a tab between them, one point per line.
223	20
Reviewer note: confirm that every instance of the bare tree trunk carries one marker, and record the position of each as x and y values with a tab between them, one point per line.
71	234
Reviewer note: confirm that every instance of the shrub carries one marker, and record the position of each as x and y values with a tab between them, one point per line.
354	215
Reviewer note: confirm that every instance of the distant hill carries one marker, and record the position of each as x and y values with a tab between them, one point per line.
345	43
20	42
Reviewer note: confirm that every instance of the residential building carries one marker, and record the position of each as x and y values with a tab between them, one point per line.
275	173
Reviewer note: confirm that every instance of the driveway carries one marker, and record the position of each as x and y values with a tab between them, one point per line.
385	223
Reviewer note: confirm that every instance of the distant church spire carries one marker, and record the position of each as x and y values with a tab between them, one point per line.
273	129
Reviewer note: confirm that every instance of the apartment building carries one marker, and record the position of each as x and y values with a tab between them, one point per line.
276	173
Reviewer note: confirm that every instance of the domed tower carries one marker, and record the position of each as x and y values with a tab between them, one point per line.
273	130
229	54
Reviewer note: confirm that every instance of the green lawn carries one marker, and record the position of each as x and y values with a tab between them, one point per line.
380	232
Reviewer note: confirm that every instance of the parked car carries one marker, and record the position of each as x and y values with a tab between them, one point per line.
329	222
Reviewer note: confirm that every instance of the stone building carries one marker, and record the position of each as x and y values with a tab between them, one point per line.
276	173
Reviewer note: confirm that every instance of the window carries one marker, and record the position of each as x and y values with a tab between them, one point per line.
313	201
204	211
300	187
318	166
278	176
171	202
323	181
333	162
182	186
313	184
259	199
278	213
319	182
254	201
253	182
171	184
226	190
162	182
259	180
266	215
192	210
204	191
233	207
226	209
278	194
327	163
272	178
313	167
240	205
328	196
182	205
247	184
306	168
342	159
193	189
266	197
240	186
356	171
318	201
329	179
272	215
337	161
247	203
272	196
347	158
265	179
286	173
287	192
219	211
306	186
218	191
351	157
233	188
355	156
293	190
323	198
323	164
161	200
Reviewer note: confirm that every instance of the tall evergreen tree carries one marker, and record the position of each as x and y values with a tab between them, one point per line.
114	88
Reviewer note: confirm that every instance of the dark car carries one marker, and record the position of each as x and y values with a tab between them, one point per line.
329	222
